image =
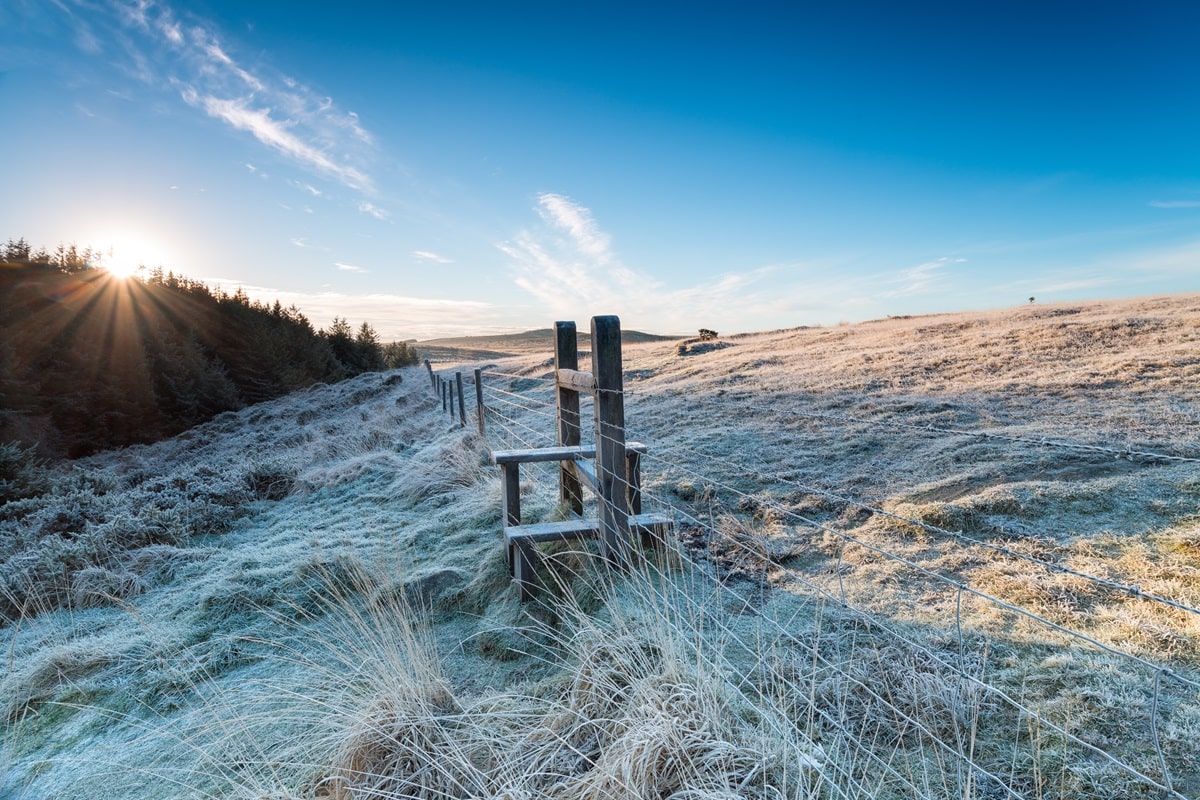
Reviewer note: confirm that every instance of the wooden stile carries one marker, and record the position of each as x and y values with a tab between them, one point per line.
615	479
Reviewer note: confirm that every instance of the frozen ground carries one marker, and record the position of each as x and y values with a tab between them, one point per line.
309	598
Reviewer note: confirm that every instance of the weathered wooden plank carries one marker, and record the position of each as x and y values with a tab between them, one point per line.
510	474
553	531
537	454
566	359
573	379
655	523
520	541
610	440
570	529
585	471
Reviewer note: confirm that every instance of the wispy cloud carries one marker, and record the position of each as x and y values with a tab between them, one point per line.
1182	260
429	255
922	278
394	316
243	114
373	210
192	56
1075	285
569	265
348	267
1175	204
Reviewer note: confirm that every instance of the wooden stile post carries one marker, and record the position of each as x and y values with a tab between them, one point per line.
611	476
566	356
462	406
479	400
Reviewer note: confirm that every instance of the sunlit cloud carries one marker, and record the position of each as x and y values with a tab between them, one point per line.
274	133
192	56
577	222
569	264
428	255
348	267
394	316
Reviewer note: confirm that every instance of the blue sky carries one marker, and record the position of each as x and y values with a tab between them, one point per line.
440	169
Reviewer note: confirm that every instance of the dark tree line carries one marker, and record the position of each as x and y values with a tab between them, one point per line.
89	362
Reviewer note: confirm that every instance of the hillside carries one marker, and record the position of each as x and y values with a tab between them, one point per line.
90	362
483	348
937	557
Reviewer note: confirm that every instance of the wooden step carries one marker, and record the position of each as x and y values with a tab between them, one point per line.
519	541
565	453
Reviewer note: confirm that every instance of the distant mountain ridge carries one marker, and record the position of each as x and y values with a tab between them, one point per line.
477	348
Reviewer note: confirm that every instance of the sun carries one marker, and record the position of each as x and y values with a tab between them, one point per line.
127	256
121	269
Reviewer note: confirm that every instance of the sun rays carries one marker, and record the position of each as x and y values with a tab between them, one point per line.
128	256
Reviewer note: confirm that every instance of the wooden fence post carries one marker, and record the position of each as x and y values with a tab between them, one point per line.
611	476
479	400
432	380
566	356
462	406
442	389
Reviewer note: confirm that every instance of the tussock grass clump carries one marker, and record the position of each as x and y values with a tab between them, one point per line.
630	711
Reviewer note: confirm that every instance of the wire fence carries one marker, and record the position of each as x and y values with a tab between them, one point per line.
912	658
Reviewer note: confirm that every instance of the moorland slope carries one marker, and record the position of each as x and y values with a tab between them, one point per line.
919	557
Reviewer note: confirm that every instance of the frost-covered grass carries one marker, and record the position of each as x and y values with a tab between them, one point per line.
308	598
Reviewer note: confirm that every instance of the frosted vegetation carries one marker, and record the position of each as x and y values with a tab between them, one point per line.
308	598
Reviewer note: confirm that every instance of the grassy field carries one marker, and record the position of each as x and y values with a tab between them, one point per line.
940	557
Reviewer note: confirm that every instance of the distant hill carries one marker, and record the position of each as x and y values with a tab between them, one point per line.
540	340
